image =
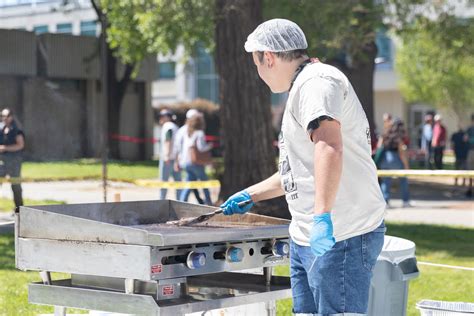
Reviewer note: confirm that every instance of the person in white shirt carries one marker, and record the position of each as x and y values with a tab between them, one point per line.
167	152
194	139
326	173
178	148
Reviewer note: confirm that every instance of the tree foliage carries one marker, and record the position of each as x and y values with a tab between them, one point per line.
333	29
137	28
436	63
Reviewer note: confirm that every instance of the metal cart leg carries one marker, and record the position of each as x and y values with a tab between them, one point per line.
129	286
45	277
59	311
271	305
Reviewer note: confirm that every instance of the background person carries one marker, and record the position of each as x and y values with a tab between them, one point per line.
426	138
394	157
460	146
167	152
194	139
439	141
178	148
337	228
387	121
12	142
470	156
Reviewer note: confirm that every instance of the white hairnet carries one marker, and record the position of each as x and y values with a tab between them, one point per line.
277	35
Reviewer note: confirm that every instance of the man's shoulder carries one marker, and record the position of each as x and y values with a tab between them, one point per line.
318	71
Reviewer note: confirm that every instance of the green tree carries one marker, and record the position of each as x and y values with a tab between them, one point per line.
343	33
436	63
135	29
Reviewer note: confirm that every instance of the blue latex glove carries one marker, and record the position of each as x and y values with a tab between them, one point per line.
321	238
231	205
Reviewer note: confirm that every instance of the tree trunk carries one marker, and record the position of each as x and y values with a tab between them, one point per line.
361	76
245	111
115	88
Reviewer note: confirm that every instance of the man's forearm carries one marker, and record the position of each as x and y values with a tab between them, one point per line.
267	189
327	174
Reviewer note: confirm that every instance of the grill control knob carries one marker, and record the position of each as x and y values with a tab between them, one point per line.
280	248
234	254
196	260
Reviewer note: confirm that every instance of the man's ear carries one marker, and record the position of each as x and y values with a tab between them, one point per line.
269	59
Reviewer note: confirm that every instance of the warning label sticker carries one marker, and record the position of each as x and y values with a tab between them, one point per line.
167	290
157	268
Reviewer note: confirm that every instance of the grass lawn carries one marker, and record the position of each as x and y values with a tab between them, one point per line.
7	205
14	284
87	168
436	244
439	244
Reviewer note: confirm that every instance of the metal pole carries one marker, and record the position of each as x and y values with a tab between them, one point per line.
270	306
59	311
104	121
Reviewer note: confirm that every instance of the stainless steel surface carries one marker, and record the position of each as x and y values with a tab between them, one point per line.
138	223
129	286
46	277
59	311
205	293
267	272
124	258
109	237
107	259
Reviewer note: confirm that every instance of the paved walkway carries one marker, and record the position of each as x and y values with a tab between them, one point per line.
447	210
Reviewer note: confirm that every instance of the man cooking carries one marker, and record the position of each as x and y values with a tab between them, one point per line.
325	172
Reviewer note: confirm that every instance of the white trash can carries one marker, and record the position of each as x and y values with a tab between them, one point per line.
395	266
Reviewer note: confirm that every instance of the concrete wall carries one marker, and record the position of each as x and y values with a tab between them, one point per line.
55	93
54	119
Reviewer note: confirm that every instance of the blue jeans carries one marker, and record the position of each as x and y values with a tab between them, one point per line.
338	282
194	173
167	169
391	160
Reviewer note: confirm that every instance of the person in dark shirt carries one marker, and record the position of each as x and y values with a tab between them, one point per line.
394	157
12	142
460	145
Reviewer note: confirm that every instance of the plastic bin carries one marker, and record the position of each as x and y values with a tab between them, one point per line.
395	266
440	308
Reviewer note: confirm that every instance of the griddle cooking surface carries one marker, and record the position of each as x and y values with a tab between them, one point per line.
164	227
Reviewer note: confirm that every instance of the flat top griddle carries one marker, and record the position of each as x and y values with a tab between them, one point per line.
143	223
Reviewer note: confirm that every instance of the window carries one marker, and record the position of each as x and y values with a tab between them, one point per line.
206	77
65	28
384	49
166	70
39	29
89	28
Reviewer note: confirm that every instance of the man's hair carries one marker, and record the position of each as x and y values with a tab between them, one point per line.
286	56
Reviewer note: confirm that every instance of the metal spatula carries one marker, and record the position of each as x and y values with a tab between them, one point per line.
204	217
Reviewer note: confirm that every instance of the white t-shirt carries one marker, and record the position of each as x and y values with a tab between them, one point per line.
198	139
168	127
359	208
179	139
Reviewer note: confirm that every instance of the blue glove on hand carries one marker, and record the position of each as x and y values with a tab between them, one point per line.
322	238
231	205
